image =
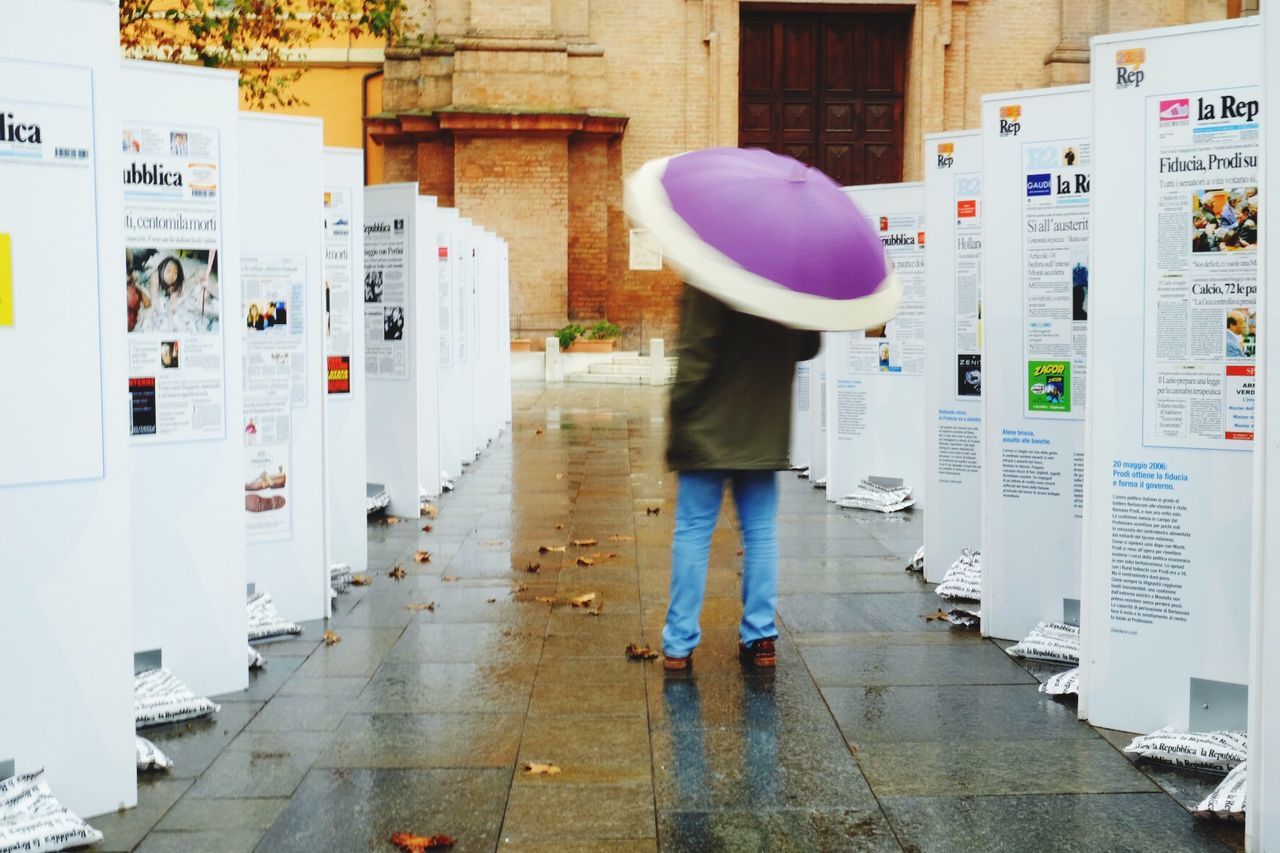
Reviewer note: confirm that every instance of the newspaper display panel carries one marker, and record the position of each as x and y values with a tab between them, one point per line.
339	305
1172	418
386	282
47	151
173	231
1201	320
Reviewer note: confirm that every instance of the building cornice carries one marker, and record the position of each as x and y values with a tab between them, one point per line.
448	122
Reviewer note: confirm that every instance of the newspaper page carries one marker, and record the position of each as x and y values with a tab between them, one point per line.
339	307
386	297
173	230
267	428
1201	321
968	285
461	296
1055	276
898	345
444	287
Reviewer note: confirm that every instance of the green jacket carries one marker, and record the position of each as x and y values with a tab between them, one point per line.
731	404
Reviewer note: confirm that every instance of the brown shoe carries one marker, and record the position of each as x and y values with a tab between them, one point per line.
258	503
674	664
759	653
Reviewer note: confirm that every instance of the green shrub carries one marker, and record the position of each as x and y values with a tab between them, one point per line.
569	334
603	331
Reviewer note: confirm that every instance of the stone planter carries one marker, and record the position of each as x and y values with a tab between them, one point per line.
584	345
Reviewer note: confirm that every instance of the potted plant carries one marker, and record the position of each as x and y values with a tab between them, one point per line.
601	337
520	343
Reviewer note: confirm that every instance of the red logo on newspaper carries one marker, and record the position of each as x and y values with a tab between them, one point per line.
920	239
884	223
339	374
1175	111
1238	436
442	252
966	208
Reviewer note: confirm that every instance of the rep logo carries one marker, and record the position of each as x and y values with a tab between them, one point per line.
1010	120
946	155
1129	73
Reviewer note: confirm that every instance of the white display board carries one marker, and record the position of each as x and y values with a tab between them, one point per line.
504	359
875	377
426	347
480	362
391	400
282	318
492	337
818	415
1262	821
466	356
452	379
182	256
64	495
801	415
1036	163
953	348
1171	418
344	406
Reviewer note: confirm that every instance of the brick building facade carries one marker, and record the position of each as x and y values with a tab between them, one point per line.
526	114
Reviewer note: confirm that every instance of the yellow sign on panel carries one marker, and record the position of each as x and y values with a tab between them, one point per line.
6	281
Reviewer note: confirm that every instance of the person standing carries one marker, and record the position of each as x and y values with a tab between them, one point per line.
730	422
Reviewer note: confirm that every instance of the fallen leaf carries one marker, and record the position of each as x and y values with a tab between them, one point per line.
653	510
449	578
613	555
545	599
618	537
550	549
331	638
522	588
586	561
585	543
559	527
597	611
426	528
532	568
398	572
559	476
361	580
536	768
636	652
430	511
582	600
740	552
492	601
431	606
422	557
537	431
940	616
417	843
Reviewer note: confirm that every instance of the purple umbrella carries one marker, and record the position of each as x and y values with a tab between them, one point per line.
767	235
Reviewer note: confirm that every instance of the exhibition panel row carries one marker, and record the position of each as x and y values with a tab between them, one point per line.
291	337
1083	378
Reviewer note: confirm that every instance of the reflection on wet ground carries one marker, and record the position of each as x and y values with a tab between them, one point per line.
878	731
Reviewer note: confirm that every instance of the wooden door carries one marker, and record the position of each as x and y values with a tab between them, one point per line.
827	89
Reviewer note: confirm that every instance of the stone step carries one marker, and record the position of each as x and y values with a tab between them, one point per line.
630	358
606	378
624	369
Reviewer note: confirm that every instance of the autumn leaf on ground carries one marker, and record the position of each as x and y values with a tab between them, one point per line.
532	568
429	606
491	601
612	555
550	549
653	510
740	552
538	431
422	557
331	638
940	616
599	609
426	528
537	768
545	599
559	527
398	572
637	652
618	537
582	600
586	561
410	843
559	476
585	543
390	519
361	580
449	578
430	511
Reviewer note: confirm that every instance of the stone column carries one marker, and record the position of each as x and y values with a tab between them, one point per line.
1069	62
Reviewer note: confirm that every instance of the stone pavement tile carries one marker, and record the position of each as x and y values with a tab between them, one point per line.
382	608
574	620
236	774
266	680
359	809
608	643
194	744
970	767
753	699
791	831
201	841
596	750
891	664
475	642
594	845
301	713
736	768
556	699
122	830
795	583
879	639
466	604
576	670
308	742
193	814
424	740
878	714
1080	823
890	612
360	652
335	685
1188	787
564	812
411	688
845	547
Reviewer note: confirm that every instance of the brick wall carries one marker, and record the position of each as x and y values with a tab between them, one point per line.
589	191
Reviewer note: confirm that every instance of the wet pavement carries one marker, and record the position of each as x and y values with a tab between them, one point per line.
878	731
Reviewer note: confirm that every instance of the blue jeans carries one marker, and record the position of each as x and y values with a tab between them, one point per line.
697	508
